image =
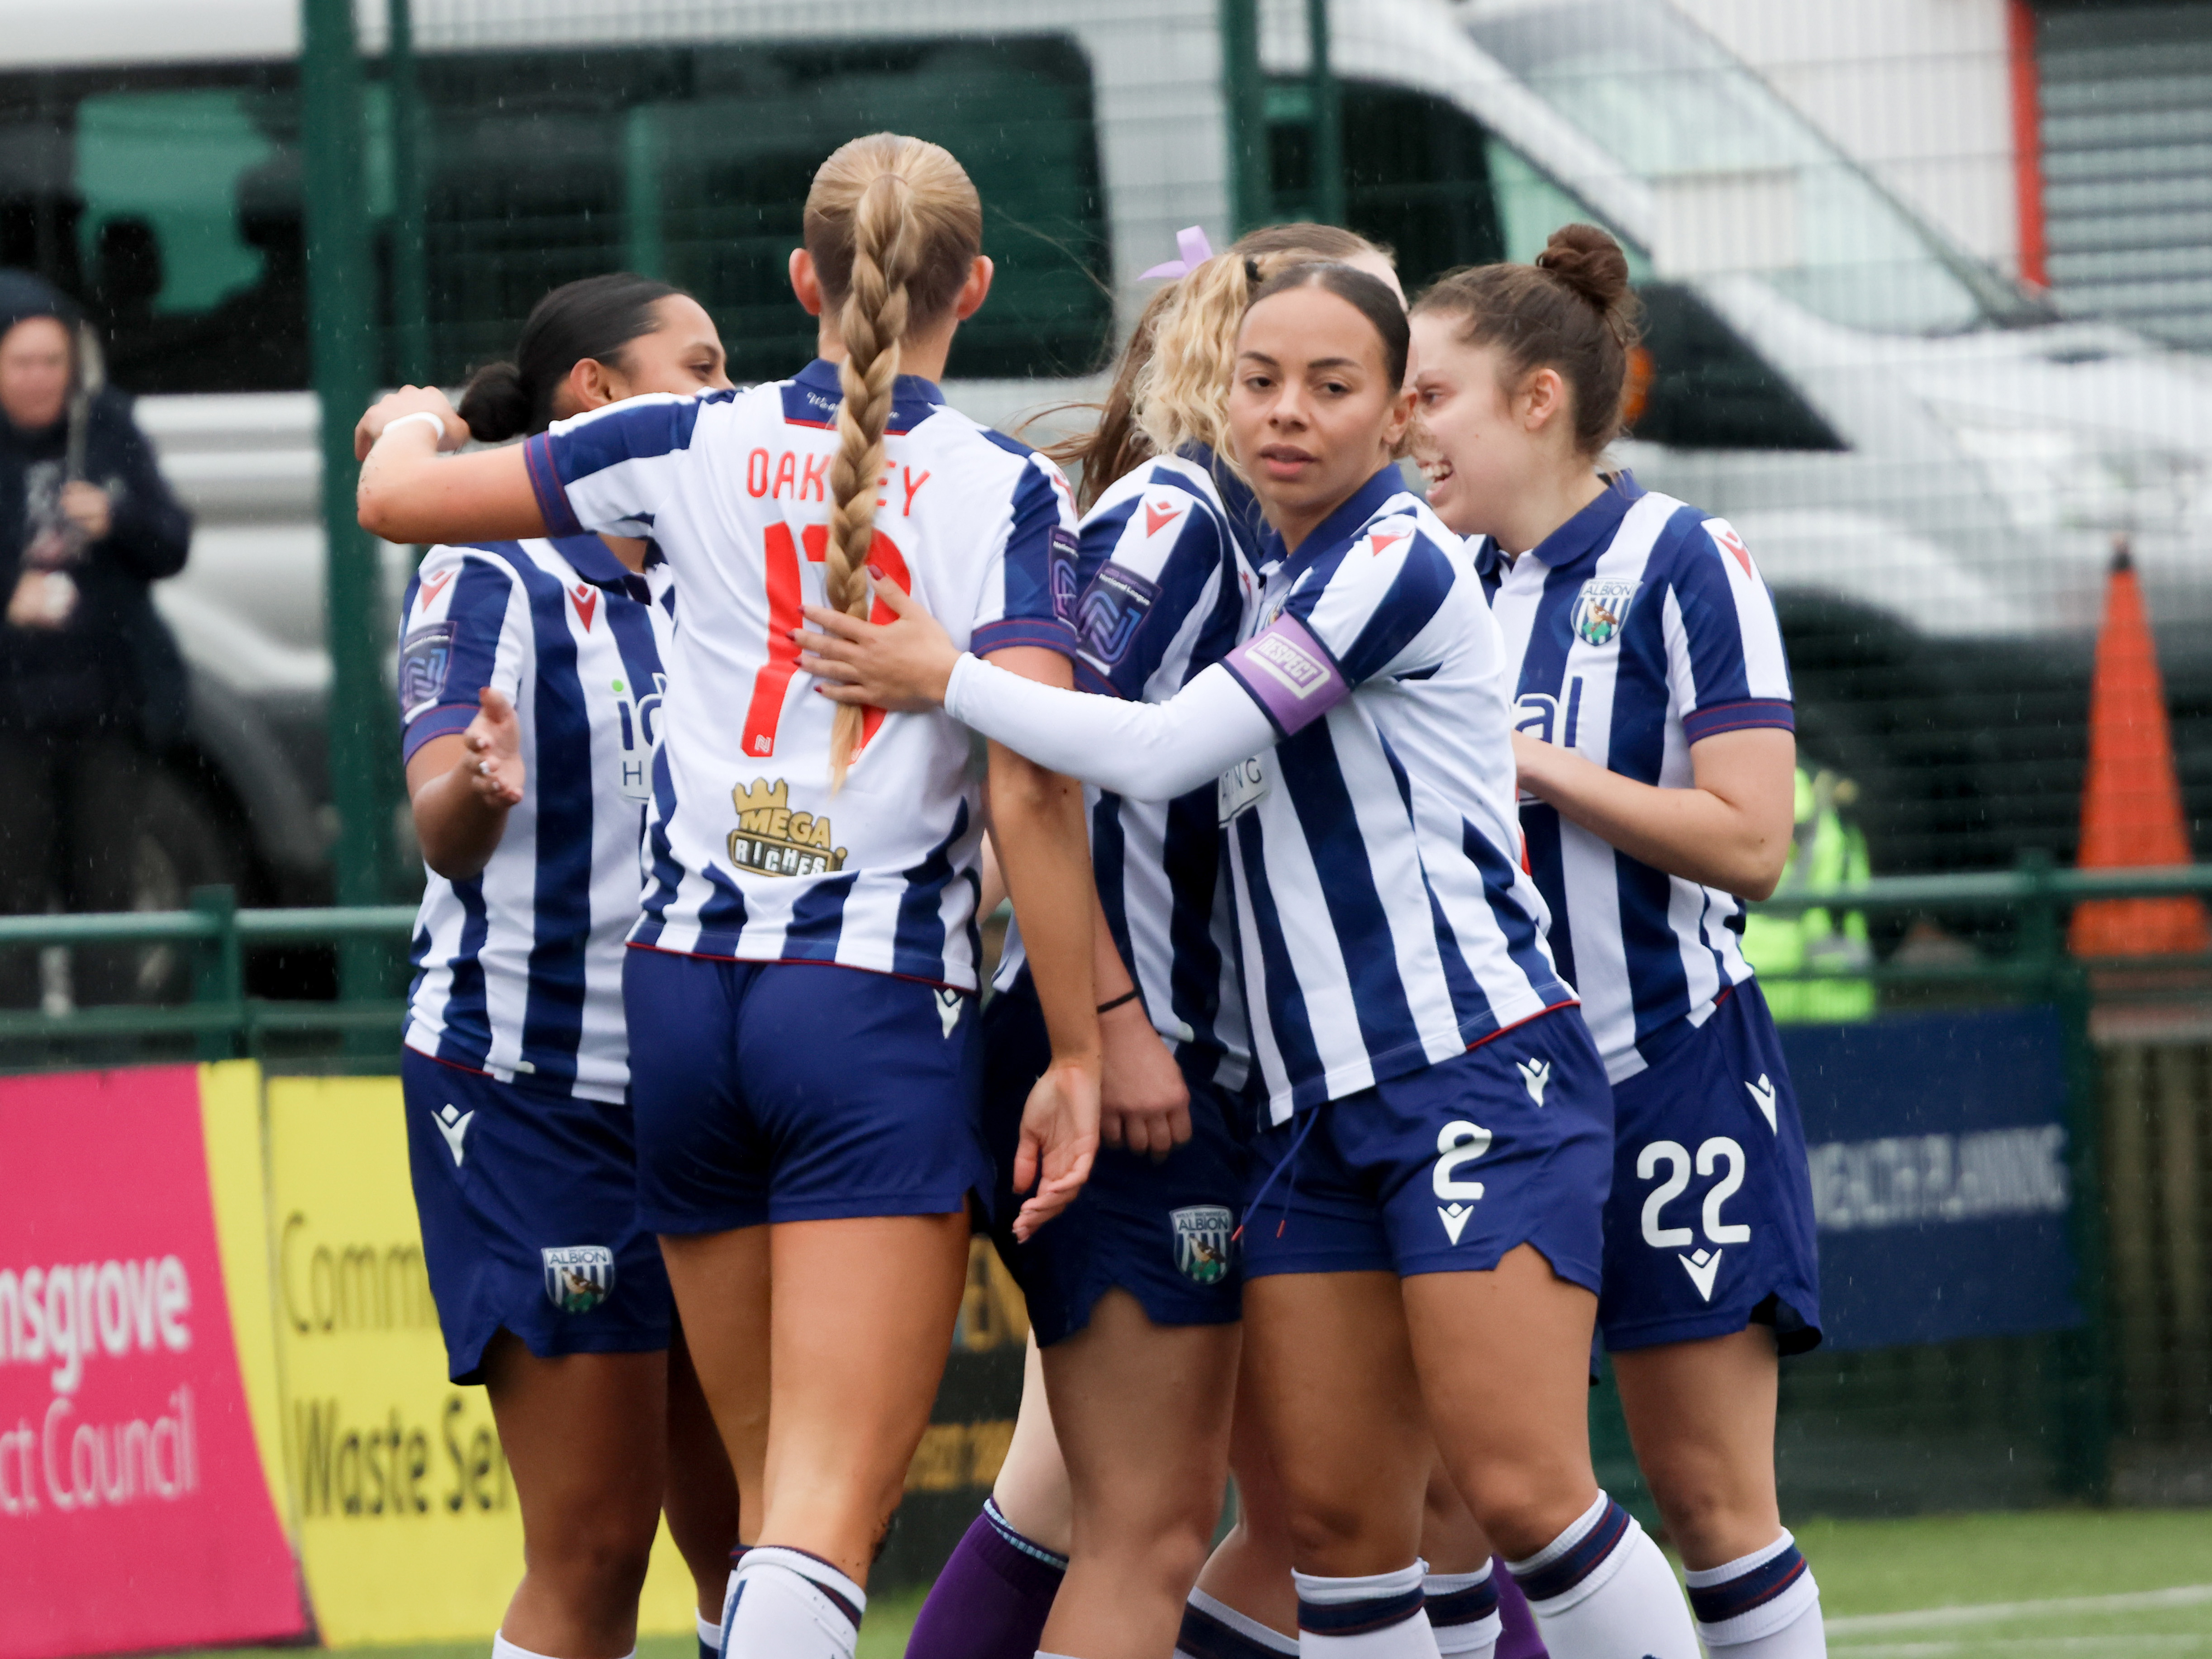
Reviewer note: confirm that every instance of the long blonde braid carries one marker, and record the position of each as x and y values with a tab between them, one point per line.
893	225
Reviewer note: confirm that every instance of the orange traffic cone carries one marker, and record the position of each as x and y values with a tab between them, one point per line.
2130	799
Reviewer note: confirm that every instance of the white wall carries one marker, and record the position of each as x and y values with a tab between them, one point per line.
1919	91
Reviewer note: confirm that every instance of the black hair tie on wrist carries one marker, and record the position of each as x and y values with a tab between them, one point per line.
1129	995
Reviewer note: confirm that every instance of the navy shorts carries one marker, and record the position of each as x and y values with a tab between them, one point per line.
1709	1227
1446	1170
528	1203
772	1091
1161	1230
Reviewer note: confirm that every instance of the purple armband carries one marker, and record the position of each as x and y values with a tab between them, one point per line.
1288	674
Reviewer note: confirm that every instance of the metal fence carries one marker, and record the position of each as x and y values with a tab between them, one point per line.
2120	1408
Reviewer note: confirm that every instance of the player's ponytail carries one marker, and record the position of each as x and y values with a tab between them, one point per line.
593	319
1571	311
893	225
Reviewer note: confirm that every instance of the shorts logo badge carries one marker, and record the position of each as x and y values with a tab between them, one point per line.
772	840
453	1123
1201	1236
948	1004
1601	609
579	1277
1702	1267
1762	1095
1534	1074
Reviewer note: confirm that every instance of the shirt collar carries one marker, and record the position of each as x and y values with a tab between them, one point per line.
913	398
1339	528
1589	532
1237	500
590	558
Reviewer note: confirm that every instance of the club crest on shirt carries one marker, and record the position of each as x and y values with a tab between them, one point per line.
578	1277
1601	609
1202	1242
772	840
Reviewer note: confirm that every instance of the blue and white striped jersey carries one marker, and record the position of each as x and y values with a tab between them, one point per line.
748	854
1387	922
1635	628
519	968
1168	590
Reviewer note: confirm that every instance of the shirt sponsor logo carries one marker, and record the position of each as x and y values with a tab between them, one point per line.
772	840
426	658
578	1277
1242	788
1202	1242
1113	608
1601	609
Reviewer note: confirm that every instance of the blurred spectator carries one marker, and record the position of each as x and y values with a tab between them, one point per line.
1829	853
91	683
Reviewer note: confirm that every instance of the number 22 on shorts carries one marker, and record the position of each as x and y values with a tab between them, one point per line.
1702	1265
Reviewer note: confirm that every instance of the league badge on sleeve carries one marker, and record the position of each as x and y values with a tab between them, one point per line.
426	657
1601	609
578	1277
1201	1240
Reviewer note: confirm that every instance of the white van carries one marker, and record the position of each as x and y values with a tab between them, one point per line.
1930	468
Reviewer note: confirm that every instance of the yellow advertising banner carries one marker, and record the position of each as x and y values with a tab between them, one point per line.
405	1509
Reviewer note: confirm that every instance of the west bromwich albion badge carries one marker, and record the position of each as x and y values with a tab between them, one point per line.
1601	609
1201	1239
578	1277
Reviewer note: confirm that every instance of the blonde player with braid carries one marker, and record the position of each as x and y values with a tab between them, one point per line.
801	989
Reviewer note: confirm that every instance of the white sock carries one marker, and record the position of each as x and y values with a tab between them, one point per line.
1377	1617
710	1633
1463	1608
1212	1628
786	1604
1760	1605
503	1649
1601	1589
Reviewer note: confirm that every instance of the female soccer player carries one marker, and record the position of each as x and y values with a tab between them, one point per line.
1653	729
1134	1294
529	677
1426	1249
801	999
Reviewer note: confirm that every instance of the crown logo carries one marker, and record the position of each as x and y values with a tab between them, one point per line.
772	840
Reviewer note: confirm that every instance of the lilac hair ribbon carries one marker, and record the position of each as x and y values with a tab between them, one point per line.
1191	243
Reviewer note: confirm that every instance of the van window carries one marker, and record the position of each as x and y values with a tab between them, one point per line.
169	200
1424	177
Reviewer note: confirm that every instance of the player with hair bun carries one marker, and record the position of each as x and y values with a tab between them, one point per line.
1423	1237
529	675
802	980
1653	735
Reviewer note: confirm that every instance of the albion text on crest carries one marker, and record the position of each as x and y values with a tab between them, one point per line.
1601	608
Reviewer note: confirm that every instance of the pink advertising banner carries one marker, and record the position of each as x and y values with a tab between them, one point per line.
135	1512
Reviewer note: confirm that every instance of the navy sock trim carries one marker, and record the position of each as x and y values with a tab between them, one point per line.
1715	1604
1464	1607
1357	1618
1558	1577
1028	1546
1205	1636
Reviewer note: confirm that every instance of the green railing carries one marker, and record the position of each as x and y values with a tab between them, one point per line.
217	934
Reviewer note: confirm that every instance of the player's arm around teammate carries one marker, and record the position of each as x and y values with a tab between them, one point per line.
1654	740
515	661
1426	1253
804	975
